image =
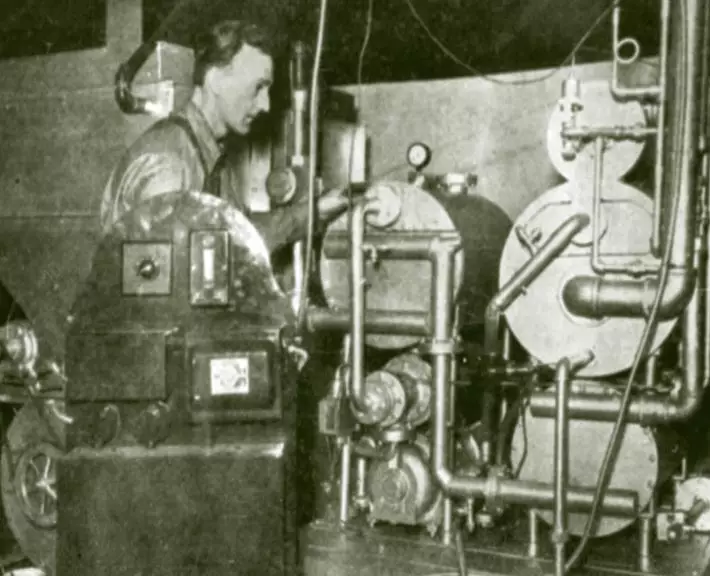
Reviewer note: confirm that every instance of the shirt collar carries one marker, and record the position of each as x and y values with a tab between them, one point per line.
211	148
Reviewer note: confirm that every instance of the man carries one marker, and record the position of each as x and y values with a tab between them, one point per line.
232	76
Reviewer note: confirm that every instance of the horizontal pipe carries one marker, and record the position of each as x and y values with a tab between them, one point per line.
376	321
393	245
608	132
644	410
595	297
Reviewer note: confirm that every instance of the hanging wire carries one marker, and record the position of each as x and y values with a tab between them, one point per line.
512	82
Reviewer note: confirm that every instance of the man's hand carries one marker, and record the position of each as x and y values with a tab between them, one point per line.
332	204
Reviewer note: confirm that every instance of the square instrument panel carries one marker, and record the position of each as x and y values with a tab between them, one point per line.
146	269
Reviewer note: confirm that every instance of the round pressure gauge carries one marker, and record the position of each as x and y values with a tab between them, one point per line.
418	155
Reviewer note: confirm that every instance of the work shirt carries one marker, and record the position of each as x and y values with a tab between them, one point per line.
182	154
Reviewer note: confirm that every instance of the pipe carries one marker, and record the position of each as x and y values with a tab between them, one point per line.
644	410
559	533
533	546
357	308
531	494
596	297
376	322
616	90
391	245
345	462
660	130
551	249
297	161
598	264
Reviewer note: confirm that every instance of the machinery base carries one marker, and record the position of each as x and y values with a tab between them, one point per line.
330	550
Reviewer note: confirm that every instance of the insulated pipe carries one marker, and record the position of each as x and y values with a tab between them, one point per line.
531	494
595	297
551	249
644	410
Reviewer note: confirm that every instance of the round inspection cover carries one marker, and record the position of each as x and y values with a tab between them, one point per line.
29	482
392	285
539	318
598	109
636	467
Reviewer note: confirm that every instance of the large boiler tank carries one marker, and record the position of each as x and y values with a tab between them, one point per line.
406	285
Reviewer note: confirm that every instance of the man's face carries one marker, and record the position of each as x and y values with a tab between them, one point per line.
242	88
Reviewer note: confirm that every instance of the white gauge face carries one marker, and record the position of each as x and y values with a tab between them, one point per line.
418	155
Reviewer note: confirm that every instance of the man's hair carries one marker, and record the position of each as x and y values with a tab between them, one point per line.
218	45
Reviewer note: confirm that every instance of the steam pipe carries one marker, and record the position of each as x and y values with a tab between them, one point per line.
645	410
559	533
531	494
551	249
595	297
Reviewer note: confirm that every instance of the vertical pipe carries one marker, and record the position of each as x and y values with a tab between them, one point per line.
559	536
361	478
297	160
661	131
533	524
646	535
447	529
346	453
705	291
651	367
358	304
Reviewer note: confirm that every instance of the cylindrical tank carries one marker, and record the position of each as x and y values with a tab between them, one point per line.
406	285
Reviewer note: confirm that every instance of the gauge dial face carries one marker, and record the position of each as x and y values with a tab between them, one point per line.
418	155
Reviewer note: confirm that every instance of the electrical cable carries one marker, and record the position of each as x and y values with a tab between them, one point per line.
492	79
617	436
312	152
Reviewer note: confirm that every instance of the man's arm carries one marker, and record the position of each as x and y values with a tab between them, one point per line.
289	224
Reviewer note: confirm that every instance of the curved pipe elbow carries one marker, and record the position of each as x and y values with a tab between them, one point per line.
594	297
444	478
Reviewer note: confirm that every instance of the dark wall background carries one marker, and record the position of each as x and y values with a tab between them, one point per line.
491	36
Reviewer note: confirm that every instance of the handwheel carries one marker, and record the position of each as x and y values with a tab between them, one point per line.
28	475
